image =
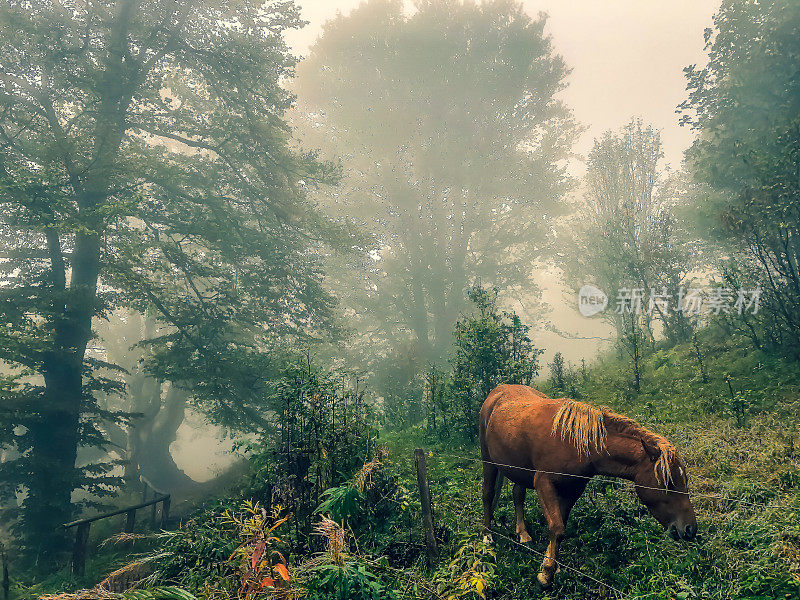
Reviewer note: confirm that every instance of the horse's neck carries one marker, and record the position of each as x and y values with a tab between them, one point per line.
621	457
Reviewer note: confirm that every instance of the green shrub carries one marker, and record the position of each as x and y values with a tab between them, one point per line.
349	581
342	503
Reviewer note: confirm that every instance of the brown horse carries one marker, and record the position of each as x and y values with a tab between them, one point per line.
556	446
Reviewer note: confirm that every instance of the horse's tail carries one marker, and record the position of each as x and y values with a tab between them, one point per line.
486	411
482	436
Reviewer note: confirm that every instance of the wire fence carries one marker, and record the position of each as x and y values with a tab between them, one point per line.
620	482
604	479
563	565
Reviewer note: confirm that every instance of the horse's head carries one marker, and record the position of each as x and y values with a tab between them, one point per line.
662	486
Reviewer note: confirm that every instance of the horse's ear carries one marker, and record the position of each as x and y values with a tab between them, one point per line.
651	450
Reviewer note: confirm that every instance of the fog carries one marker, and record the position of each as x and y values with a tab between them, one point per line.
248	259
627	59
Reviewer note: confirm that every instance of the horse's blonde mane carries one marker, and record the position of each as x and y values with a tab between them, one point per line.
584	426
581	424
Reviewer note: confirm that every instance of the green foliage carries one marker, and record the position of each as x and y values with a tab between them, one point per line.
469	574
744	105
342	503
322	431
557	375
145	153
198	553
671	378
145	163
564	380
369	504
158	593
491	347
398	380
351	580
743	551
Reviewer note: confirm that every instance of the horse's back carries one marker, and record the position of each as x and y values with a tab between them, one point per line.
521	396
515	427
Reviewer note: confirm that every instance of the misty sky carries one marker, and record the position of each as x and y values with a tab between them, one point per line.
627	57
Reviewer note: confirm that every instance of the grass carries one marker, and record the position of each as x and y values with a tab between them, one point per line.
743	551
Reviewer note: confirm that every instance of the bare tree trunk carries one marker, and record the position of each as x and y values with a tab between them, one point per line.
699	358
155	459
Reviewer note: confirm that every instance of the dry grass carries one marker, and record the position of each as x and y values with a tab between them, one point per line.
124	538
363	478
335	540
93	594
126	577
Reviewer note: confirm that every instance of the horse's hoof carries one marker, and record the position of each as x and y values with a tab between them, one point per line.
526	542
542	582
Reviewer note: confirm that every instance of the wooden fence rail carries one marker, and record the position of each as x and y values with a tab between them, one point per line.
79	550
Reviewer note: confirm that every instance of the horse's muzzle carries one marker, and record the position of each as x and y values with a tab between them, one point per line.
683	533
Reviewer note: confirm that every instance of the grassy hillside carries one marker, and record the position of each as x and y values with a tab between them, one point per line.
742	450
743	550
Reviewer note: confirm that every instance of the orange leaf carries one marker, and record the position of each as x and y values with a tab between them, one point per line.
268	582
283	571
259	550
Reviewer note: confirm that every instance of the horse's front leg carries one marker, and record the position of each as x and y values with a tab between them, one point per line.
552	509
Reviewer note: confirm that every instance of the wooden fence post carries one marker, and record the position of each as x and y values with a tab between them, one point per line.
165	512
79	549
427	508
6	581
130	522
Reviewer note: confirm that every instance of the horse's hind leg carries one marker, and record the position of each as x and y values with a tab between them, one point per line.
498	490
519	513
492	486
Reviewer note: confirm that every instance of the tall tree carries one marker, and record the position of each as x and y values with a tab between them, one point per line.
144	161
625	236
454	139
558	377
745	106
